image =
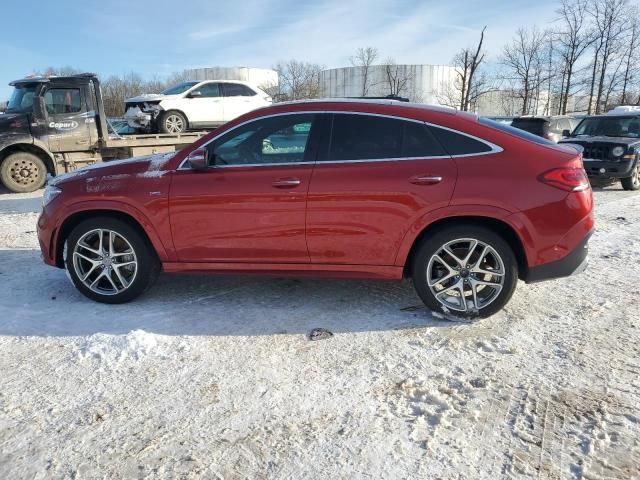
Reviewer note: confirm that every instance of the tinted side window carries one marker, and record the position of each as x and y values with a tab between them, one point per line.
282	139
363	137
459	144
209	90
62	100
237	90
419	142
368	137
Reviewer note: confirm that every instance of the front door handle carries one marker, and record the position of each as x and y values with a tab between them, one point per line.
286	183
425	179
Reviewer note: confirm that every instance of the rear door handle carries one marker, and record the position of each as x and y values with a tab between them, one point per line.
286	183
425	179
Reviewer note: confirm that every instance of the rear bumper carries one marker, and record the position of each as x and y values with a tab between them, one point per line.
572	264
608	169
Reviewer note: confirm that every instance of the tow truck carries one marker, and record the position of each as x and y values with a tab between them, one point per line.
55	125
611	145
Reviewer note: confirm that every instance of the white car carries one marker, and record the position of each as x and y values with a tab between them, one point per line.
192	105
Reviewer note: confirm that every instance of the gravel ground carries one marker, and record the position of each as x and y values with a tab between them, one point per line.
215	377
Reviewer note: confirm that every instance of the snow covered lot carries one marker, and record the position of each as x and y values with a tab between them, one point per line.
214	377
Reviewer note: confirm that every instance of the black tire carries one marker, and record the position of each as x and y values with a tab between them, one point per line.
172	122
632	182
147	269
432	244
23	172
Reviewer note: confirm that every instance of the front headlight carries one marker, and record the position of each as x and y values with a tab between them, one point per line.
50	193
617	151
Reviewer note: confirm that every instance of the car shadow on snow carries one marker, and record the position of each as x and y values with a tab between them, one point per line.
37	300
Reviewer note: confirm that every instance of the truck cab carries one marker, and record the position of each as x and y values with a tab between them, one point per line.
54	125
44	117
611	146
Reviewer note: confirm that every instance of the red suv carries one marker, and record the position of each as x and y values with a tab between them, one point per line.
357	189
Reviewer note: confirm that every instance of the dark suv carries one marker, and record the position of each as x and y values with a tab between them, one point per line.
611	147
551	128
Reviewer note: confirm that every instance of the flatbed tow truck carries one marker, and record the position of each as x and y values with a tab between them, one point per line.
54	125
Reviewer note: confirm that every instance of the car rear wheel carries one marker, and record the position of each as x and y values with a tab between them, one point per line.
109	261
23	172
172	122
465	270
632	182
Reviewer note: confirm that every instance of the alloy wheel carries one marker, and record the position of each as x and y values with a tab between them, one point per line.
105	261
465	275
174	124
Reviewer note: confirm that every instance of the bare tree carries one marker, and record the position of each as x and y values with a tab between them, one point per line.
298	80
116	89
609	24
631	55
466	63
364	59
524	62
573	40
397	78
57	71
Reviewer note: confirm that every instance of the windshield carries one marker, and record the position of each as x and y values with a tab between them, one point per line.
180	88
613	126
22	98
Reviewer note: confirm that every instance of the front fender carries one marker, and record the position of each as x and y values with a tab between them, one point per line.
165	255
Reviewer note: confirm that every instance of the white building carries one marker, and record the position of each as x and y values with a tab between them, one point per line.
419	83
260	77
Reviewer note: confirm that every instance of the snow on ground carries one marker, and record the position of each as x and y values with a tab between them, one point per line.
214	377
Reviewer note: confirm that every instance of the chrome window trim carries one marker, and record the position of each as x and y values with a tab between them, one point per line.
494	148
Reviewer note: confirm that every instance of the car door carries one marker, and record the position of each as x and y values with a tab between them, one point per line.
249	205
204	106
376	178
238	100
68	124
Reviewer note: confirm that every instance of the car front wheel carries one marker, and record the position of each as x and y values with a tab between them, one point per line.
172	122
465	270
109	261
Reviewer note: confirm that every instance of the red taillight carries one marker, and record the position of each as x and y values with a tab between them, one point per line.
570	179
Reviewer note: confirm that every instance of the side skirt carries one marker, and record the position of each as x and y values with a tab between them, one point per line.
288	269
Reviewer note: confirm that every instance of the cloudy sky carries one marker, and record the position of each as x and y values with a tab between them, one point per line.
155	38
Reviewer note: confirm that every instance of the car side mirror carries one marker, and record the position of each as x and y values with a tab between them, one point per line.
195	94
39	109
566	133
199	159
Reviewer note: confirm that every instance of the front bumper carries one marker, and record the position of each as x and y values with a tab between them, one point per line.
572	264
46	237
608	169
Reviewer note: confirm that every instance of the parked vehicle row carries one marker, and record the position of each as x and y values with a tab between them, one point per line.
550	128
610	143
611	146
368	189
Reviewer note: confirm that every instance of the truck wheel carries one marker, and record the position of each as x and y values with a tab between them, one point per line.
465	270
23	172
109	261
632	182
172	122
